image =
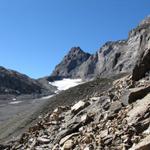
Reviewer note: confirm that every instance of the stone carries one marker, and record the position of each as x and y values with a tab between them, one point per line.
94	98
138	110
43	140
55	147
104	133
79	106
147	131
142	66
89	147
87	138
108	139
68	145
143	145
33	144
63	140
142	124
86	119
115	107
133	94
106	105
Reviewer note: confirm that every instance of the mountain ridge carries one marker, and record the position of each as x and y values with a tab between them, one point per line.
13	82
112	58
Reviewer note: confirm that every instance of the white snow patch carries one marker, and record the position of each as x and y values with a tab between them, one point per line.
15	102
66	83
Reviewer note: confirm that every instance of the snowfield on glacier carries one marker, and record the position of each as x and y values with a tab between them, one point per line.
66	83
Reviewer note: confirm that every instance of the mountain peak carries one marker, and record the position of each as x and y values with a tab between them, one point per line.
145	21
69	65
76	50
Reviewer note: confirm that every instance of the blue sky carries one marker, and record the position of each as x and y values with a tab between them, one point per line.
36	34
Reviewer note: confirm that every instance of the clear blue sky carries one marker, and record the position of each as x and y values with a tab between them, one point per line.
36	34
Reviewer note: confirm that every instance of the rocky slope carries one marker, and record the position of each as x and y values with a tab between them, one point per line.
112	58
12	82
117	118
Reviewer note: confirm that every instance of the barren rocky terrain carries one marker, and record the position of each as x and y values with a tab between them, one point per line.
116	118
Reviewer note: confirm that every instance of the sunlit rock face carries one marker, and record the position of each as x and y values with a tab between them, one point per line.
112	58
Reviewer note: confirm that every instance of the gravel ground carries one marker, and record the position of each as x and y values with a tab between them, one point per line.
15	116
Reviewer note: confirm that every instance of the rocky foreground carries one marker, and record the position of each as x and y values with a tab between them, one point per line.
117	119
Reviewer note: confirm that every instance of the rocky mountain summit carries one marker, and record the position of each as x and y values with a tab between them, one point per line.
112	58
70	64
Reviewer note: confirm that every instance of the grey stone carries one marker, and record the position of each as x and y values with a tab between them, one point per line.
63	140
143	145
115	107
133	94
43	140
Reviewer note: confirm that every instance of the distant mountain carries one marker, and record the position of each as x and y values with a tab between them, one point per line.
70	65
112	58
12	82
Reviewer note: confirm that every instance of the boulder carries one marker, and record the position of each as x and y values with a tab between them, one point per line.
66	138
115	107
79	106
142	66
139	110
68	145
43	140
133	94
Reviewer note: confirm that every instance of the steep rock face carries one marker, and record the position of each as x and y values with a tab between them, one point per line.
69	66
12	82
142	66
112	58
121	56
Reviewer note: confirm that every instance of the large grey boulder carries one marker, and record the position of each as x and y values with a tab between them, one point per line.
133	94
143	66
